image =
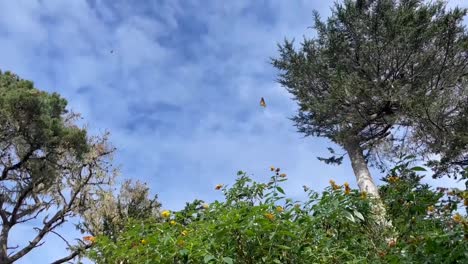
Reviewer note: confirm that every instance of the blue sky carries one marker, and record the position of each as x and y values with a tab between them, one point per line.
180	92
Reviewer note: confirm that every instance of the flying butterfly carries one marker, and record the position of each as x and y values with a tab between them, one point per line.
262	102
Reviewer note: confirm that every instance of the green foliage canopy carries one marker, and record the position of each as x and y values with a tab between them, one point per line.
384	71
257	223
50	169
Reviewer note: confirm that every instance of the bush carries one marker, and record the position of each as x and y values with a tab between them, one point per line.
257	224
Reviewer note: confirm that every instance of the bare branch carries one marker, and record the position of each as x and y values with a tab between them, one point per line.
55	221
72	255
68	244
19	203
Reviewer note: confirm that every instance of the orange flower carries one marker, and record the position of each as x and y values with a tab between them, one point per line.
272	168
347	189
393	179
458	218
363	195
282	175
218	187
270	216
334	185
89	239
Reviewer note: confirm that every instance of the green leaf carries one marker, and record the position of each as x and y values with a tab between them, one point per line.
418	168
208	258
358	215
409	157
228	260
240	172
280	189
284	247
277	261
349	216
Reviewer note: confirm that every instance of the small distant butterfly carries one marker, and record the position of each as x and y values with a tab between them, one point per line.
262	102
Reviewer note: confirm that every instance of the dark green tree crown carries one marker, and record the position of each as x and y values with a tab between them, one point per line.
377	66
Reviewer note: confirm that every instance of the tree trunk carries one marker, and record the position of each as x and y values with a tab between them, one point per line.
365	181
4	243
361	171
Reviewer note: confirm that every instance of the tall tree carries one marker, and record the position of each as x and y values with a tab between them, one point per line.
376	68
50	168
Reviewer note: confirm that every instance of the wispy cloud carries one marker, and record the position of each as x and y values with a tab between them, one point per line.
177	83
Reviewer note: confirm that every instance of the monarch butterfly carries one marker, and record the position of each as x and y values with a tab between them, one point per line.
262	102
89	239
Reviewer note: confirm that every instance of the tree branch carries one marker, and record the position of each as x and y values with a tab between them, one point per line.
19	203
68	244
72	255
55	221
17	165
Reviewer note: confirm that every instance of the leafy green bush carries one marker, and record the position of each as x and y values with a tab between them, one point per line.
257	224
429	228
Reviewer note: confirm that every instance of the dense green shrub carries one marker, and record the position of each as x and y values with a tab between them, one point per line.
257	224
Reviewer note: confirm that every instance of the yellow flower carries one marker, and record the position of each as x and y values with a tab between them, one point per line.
430	208
347	189
282	175
279	209
184	233
205	206
457	218
270	216
363	195
144	242
393	179
219	186
172	222
334	185
166	213
272	168
89	239
180	243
